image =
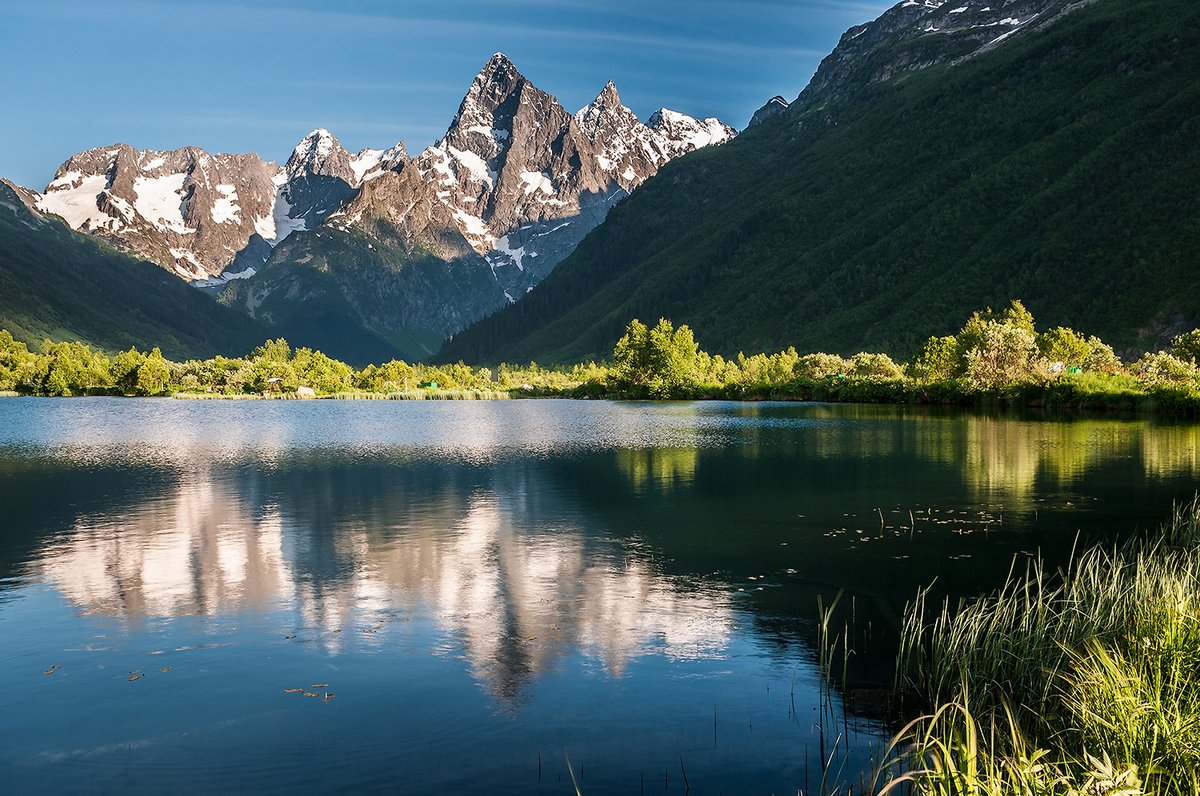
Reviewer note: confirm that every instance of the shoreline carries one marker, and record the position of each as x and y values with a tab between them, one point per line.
1130	407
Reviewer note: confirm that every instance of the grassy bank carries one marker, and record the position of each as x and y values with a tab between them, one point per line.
1082	681
360	395
997	359
427	395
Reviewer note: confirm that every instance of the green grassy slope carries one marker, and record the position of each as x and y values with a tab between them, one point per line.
1060	168
60	285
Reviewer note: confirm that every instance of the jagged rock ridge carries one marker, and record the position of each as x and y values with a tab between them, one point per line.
426	246
915	35
521	180
524	180
207	218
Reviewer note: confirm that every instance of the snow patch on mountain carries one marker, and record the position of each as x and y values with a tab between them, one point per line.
537	181
187	266
685	134
517	255
74	197
281	222
364	163
225	209
473	228
160	200
475	165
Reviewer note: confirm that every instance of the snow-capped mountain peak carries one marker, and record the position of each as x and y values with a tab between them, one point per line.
320	152
185	209
515	178
684	133
605	114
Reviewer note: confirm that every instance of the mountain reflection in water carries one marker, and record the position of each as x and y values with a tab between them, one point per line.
516	596
632	583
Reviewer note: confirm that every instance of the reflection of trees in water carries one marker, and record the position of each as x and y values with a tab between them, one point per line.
658	468
1172	451
350	550
1008	458
1003	459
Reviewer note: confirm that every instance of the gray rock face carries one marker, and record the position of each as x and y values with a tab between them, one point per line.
400	209
21	202
917	34
186	210
525	180
508	192
773	107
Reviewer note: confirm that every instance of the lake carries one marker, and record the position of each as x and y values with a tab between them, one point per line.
420	597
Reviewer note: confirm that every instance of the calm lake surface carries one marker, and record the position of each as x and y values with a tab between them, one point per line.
478	592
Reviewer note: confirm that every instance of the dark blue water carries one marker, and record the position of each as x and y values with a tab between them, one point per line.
497	596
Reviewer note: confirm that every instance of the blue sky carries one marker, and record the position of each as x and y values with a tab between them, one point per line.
256	76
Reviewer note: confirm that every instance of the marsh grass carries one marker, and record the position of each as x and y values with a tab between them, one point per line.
217	396
1081	681
424	395
450	395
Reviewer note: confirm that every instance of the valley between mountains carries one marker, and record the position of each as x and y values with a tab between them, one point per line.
380	253
945	156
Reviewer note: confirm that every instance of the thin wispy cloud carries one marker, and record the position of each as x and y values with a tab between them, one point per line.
250	75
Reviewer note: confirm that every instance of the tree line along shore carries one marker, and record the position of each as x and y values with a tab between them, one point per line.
996	357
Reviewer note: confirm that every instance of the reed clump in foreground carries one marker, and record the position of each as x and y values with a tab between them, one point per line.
1083	681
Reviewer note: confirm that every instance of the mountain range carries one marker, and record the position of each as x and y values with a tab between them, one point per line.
60	285
948	155
402	251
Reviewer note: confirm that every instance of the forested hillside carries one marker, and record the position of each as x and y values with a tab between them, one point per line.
59	285
1059	167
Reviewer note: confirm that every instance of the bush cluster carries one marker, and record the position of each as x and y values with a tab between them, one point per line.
994	356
